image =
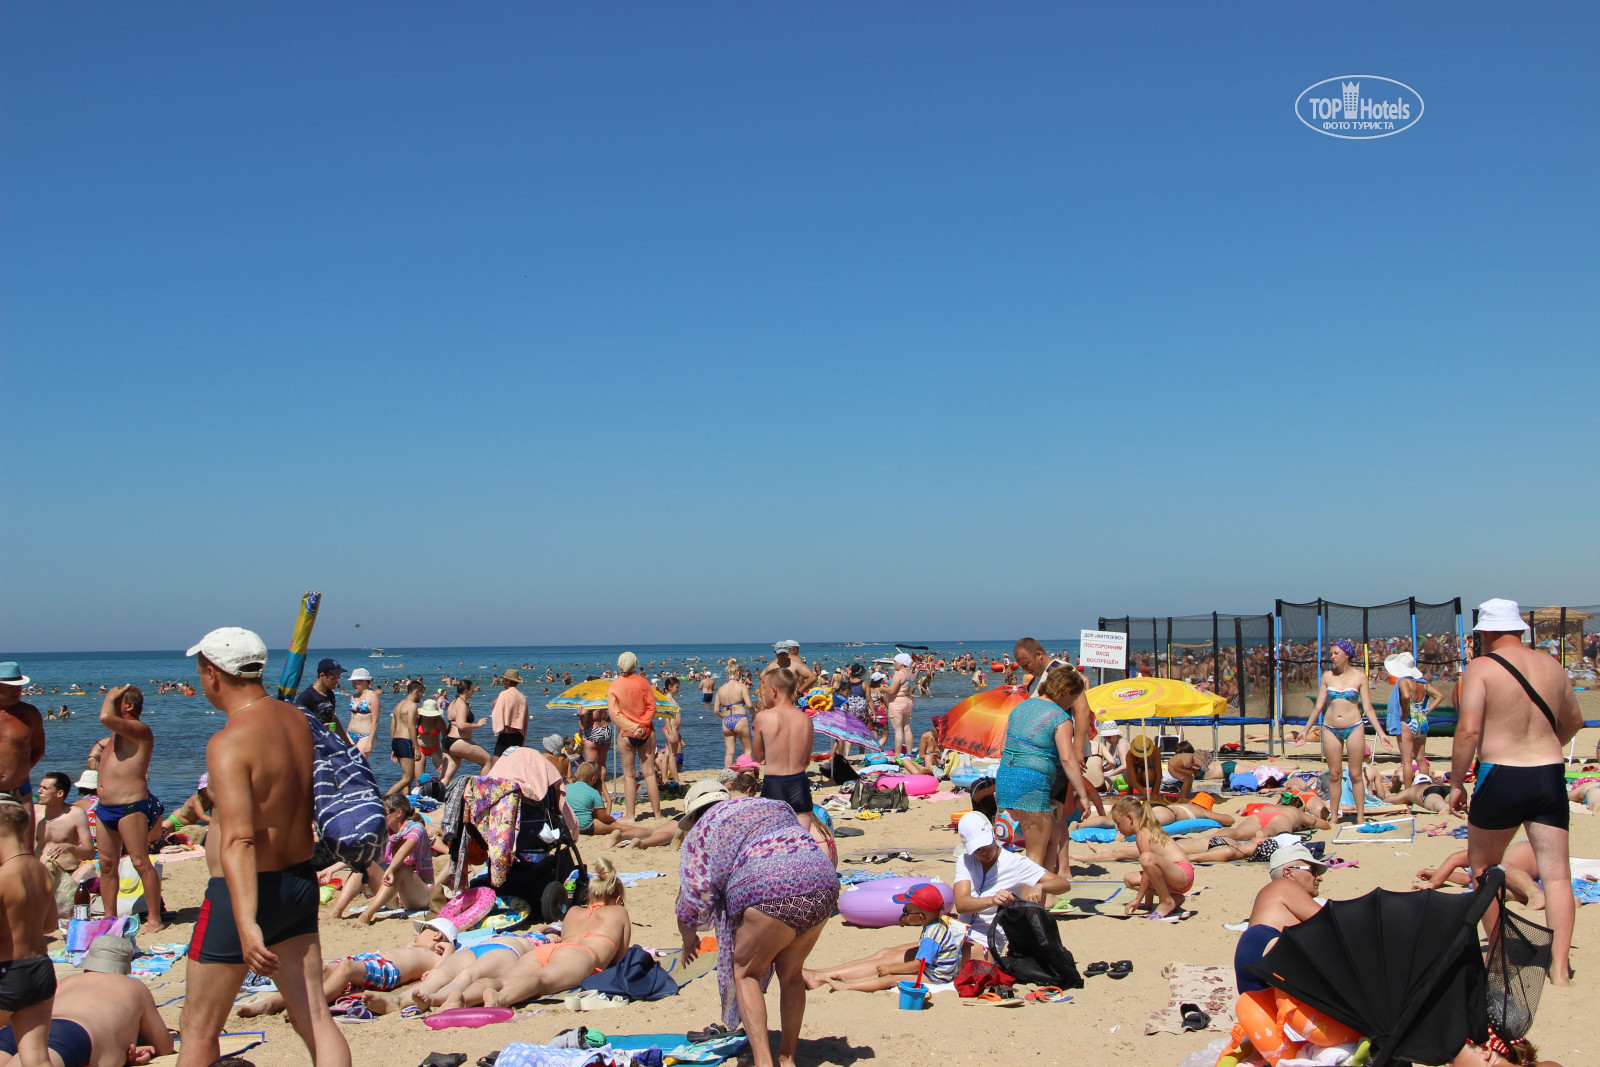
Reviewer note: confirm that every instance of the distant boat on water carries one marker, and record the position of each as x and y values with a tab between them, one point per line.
377	653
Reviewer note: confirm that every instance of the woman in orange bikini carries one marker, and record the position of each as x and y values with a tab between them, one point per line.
593	937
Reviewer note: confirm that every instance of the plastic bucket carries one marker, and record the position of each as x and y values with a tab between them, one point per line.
913	997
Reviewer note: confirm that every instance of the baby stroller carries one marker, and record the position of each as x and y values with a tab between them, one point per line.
539	856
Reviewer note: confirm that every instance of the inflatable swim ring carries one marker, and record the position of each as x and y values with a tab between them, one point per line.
917	785
871	904
470	908
1006	830
444	1020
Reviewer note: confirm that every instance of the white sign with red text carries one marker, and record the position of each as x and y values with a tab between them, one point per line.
1099	648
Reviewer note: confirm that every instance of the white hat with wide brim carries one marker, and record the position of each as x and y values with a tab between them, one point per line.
1402	665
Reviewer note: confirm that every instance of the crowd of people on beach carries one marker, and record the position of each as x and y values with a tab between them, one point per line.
758	853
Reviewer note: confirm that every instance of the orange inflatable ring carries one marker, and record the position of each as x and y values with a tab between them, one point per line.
1268	1016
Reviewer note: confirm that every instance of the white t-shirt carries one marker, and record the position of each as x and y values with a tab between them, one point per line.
1011	870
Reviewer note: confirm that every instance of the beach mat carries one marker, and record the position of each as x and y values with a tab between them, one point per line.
703	964
1212	988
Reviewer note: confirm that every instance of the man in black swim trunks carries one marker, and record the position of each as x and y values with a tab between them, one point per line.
1517	712
260	909
21	740
102	1017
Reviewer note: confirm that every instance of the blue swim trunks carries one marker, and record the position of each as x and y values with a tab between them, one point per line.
112	814
382	976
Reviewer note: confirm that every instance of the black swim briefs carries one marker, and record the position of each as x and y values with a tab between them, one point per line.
506	740
286	907
67	1039
793	789
401	748
1436	791
26	982
1506	797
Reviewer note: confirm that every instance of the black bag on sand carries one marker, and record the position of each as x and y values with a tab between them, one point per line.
1024	942
840	771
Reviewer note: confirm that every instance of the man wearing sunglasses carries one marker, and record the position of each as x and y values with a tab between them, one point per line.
1289	897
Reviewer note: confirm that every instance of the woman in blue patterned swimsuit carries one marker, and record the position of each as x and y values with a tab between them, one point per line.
1342	698
1039	746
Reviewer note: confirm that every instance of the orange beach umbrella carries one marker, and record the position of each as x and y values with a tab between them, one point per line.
977	725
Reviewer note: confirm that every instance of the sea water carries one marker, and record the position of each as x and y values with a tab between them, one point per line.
183	724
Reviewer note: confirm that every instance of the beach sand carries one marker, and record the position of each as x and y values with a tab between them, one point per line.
1104	1022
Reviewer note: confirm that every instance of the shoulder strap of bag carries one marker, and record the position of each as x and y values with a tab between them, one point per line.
1533	694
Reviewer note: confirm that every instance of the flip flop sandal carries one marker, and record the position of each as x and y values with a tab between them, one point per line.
1120	969
1193	1017
715	1031
410	1011
357	1013
1173	917
488	1060
1093	969
443	1059
1045	992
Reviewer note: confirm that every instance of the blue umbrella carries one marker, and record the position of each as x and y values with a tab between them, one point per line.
842	726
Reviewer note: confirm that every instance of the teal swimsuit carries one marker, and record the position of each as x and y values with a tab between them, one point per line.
1352	695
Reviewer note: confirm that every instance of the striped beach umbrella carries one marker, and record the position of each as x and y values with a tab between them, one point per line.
586	696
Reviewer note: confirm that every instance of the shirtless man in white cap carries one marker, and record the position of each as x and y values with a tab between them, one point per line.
260	909
1517	712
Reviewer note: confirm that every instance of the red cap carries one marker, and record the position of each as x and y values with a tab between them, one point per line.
924	896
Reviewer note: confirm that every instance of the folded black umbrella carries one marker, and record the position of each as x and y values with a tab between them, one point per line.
1403	969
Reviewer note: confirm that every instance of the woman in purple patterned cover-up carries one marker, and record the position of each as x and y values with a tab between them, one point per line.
751	871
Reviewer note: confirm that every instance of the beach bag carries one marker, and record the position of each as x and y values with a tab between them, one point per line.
1024	941
347	806
868	797
976	977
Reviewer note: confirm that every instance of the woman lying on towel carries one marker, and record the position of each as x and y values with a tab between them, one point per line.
593	936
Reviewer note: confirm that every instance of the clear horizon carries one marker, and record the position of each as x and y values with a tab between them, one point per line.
653	324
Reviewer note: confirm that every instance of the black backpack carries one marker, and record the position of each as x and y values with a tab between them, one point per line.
1025	943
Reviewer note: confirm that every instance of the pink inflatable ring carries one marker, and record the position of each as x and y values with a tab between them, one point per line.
871	904
443	1020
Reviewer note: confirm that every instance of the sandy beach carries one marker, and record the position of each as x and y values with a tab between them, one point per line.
1104	1019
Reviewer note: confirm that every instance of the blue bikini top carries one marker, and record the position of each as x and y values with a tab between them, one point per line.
1344	694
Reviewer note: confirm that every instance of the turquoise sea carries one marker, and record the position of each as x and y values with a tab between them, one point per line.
183	724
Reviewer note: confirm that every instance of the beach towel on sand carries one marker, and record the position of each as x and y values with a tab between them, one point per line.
1210	987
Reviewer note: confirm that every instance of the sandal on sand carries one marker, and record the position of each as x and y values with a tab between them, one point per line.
443	1059
1120	969
1173	917
1095	968
1047	994
716	1031
1193	1017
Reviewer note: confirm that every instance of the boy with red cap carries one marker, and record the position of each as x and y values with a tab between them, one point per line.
937	956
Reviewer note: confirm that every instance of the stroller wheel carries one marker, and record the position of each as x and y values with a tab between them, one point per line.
553	902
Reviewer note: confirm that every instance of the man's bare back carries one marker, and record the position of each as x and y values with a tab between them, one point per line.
262	760
1281	904
117	1012
1515	732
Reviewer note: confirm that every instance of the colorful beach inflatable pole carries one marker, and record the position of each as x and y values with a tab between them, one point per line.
295	665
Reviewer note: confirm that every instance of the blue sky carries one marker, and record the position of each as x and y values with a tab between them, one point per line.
623	323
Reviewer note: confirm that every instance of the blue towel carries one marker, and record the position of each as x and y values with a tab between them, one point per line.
1245	781
1586	891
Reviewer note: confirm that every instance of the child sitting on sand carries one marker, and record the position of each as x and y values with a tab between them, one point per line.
28	908
937	956
1165	871
379	972
407	866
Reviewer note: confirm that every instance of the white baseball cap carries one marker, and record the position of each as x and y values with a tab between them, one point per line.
233	649
976	832
360	674
1499	616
